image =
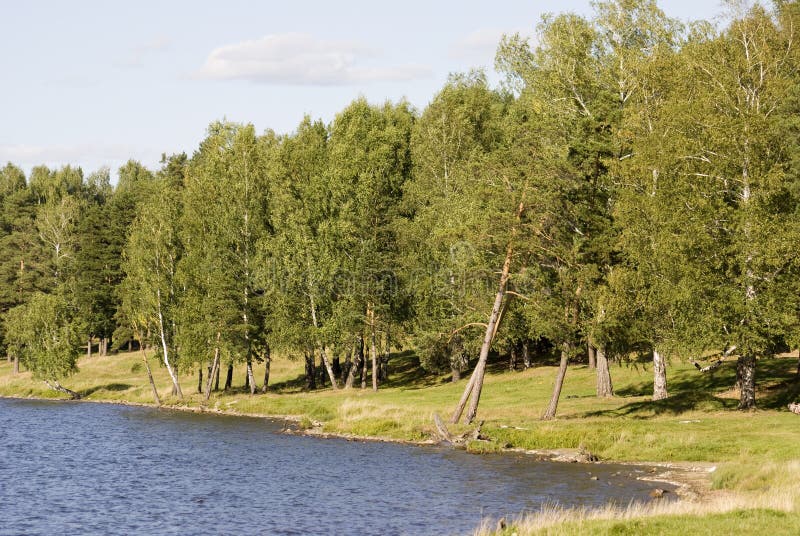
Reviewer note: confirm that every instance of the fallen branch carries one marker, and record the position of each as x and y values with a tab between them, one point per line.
441	429
446	437
60	388
716	364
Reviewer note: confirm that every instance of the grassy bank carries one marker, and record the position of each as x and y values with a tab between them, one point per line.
755	454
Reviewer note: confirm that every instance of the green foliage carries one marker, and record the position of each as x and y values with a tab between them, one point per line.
148	293
42	334
640	177
450	238
220	306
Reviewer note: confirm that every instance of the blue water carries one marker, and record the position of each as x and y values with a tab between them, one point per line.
84	468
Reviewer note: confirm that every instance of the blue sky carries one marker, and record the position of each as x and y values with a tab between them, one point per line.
93	83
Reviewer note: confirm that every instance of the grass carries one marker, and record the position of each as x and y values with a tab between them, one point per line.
773	510
755	452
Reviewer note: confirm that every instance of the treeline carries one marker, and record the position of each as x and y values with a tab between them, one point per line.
631	189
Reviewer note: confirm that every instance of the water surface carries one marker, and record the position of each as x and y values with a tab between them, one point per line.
83	468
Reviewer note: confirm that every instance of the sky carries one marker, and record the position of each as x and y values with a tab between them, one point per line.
95	83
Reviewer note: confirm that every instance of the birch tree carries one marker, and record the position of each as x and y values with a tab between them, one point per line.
736	155
149	292
369	162
299	258
443	263
220	309
42	333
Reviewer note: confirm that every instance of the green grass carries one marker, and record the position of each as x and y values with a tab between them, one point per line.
754	451
749	522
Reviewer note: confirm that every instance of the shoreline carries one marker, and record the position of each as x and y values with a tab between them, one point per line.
691	479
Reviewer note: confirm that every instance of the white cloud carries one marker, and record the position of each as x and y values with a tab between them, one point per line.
301	59
481	44
136	56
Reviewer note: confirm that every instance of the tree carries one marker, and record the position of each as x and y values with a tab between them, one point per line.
221	307
441	262
369	160
149	292
735	151
299	265
21	255
42	334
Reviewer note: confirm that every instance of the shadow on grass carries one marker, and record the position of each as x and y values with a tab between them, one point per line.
673	405
404	372
108	387
777	384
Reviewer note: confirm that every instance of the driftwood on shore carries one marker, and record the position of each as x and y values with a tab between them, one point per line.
446	437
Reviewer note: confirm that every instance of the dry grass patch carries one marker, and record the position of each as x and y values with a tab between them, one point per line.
777	500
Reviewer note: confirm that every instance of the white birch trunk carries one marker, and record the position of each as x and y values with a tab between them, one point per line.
164	347
659	376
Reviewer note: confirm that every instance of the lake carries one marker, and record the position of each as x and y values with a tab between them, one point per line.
86	468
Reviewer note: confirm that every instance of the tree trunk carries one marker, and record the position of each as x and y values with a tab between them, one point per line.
659	376
355	366
328	367
604	387
89	348
16	365
456	373
373	350
229	377
562	372
320	371
512	361
592	357
150	378
798	362
214	372
251	380
176	388
363	371
475	385
337	367
746	371
311	381
60	388
346	366
200	378
102	347
216	380
267	363
526	354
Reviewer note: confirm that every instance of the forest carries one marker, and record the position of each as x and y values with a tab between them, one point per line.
629	192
